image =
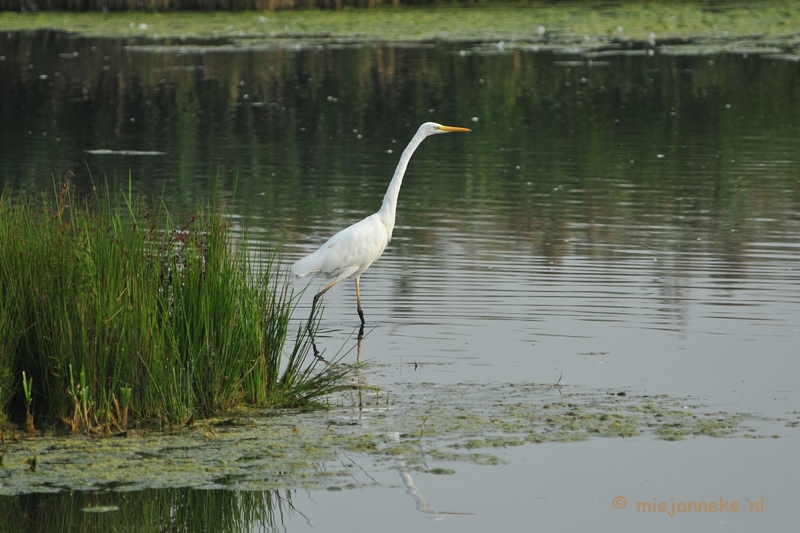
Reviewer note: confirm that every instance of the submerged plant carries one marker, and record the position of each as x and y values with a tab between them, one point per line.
163	319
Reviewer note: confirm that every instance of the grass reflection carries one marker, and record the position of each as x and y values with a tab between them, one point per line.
176	510
605	144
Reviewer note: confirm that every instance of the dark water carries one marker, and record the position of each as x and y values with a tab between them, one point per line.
149	510
631	222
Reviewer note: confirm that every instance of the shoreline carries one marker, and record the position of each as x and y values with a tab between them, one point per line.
776	23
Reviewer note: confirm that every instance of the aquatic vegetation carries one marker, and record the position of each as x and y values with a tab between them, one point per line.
112	311
27	389
543	22
425	428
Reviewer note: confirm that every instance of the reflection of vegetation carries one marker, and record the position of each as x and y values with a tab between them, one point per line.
178	510
111	308
591	145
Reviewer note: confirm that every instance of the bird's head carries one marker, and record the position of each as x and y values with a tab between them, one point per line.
432	128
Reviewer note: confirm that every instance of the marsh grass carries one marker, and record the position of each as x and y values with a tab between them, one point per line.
115	311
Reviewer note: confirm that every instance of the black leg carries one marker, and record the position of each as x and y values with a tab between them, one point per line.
317	297
358	302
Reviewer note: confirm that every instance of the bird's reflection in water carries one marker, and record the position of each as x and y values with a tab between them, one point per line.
421	502
358	344
318	353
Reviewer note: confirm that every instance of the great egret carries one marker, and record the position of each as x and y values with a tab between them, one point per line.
351	251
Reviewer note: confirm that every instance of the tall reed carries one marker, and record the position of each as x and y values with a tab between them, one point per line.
117	311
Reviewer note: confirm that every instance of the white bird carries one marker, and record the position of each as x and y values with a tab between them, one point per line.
351	251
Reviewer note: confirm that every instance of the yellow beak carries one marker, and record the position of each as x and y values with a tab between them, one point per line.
453	128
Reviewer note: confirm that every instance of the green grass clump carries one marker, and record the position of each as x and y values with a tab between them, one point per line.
115	311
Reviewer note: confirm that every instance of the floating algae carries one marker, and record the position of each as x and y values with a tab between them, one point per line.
541	22
421	424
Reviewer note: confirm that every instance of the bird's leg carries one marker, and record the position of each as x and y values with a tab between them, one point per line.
316	299
361	315
311	316
358	302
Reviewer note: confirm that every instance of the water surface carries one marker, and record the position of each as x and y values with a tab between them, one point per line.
629	221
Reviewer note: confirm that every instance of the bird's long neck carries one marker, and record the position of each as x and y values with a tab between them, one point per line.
389	206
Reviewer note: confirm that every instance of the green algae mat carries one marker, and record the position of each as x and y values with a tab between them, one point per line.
425	427
776	21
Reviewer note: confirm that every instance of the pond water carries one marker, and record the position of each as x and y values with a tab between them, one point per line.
625	219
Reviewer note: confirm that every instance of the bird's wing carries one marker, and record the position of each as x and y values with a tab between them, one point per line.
348	252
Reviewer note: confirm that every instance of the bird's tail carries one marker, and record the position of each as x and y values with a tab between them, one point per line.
307	266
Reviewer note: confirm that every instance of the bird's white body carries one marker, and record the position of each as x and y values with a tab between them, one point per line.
348	253
351	251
